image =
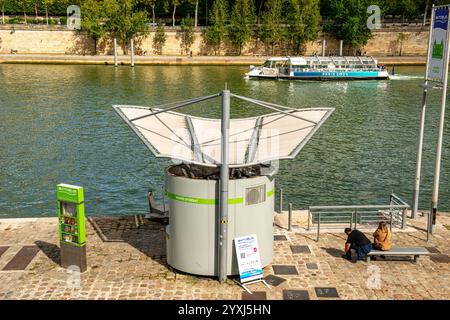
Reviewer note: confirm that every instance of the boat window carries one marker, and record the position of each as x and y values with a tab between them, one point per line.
267	64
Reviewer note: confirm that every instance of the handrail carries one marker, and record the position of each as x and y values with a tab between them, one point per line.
359	214
360	207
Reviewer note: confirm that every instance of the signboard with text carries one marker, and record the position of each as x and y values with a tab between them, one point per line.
438	46
249	261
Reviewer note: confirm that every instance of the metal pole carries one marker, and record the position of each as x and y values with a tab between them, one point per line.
421	133
419	153
341	47
318	228
290	217
309	217
281	200
115	52
132	52
434	199
224	177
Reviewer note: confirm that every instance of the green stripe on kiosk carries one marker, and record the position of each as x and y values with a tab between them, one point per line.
72	230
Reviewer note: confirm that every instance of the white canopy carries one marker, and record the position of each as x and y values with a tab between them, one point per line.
279	135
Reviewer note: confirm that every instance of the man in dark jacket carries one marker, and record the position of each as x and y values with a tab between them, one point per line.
357	241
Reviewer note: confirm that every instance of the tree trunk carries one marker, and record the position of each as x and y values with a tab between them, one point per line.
173	15
25	16
259	12
196	13
46	14
3	14
153	13
95	47
426	11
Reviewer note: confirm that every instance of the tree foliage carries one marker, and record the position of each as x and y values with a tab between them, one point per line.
241	23
272	30
350	21
216	33
124	21
186	34
92	21
160	39
304	23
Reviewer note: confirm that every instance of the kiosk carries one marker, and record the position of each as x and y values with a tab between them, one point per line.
72	231
222	185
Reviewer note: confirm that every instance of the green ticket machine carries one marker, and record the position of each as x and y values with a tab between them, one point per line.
72	231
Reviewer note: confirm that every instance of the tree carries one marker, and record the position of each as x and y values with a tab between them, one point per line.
2	4
160	39
174	4
272	29
304	22
241	23
47	3
215	34
24	5
92	20
152	4
350	17
124	21
187	35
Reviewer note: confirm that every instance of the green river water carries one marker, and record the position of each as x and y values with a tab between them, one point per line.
57	125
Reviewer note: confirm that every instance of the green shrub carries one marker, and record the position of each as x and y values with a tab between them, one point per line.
52	21
15	20
63	20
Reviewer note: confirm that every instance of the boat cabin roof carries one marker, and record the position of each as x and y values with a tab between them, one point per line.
344	60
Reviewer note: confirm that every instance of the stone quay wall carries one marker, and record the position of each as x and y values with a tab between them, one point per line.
409	41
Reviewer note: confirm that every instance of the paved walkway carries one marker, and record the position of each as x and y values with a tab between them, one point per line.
169	60
126	261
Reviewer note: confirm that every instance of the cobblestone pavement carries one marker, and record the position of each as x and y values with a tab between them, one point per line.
129	262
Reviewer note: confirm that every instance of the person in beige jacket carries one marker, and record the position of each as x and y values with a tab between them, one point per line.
382	237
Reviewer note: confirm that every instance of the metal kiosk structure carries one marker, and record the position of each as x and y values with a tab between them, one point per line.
223	185
72	230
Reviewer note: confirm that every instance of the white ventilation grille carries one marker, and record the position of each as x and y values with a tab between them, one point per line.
255	195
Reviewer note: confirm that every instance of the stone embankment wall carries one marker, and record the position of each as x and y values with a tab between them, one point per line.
410	41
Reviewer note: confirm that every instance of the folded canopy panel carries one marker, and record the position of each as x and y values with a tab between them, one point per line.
196	140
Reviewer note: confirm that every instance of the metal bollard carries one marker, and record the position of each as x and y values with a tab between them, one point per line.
281	200
115	52
290	217
132	52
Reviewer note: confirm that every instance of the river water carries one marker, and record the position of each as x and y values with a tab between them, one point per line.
57	125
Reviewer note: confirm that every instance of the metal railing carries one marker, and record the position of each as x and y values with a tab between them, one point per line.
363	215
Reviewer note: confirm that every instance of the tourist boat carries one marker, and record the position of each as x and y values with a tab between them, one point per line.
320	68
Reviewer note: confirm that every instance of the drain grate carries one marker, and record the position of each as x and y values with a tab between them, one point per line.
22	259
285	269
300	249
312	266
326	292
295	295
279	238
257	295
274	280
3	250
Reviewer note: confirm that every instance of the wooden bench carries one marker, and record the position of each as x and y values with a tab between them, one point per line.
415	252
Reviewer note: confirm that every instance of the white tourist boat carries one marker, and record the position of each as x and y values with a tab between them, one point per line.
320	68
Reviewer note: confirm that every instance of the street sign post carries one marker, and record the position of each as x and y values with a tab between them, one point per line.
437	73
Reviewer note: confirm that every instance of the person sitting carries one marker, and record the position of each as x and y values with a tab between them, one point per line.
357	241
382	238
